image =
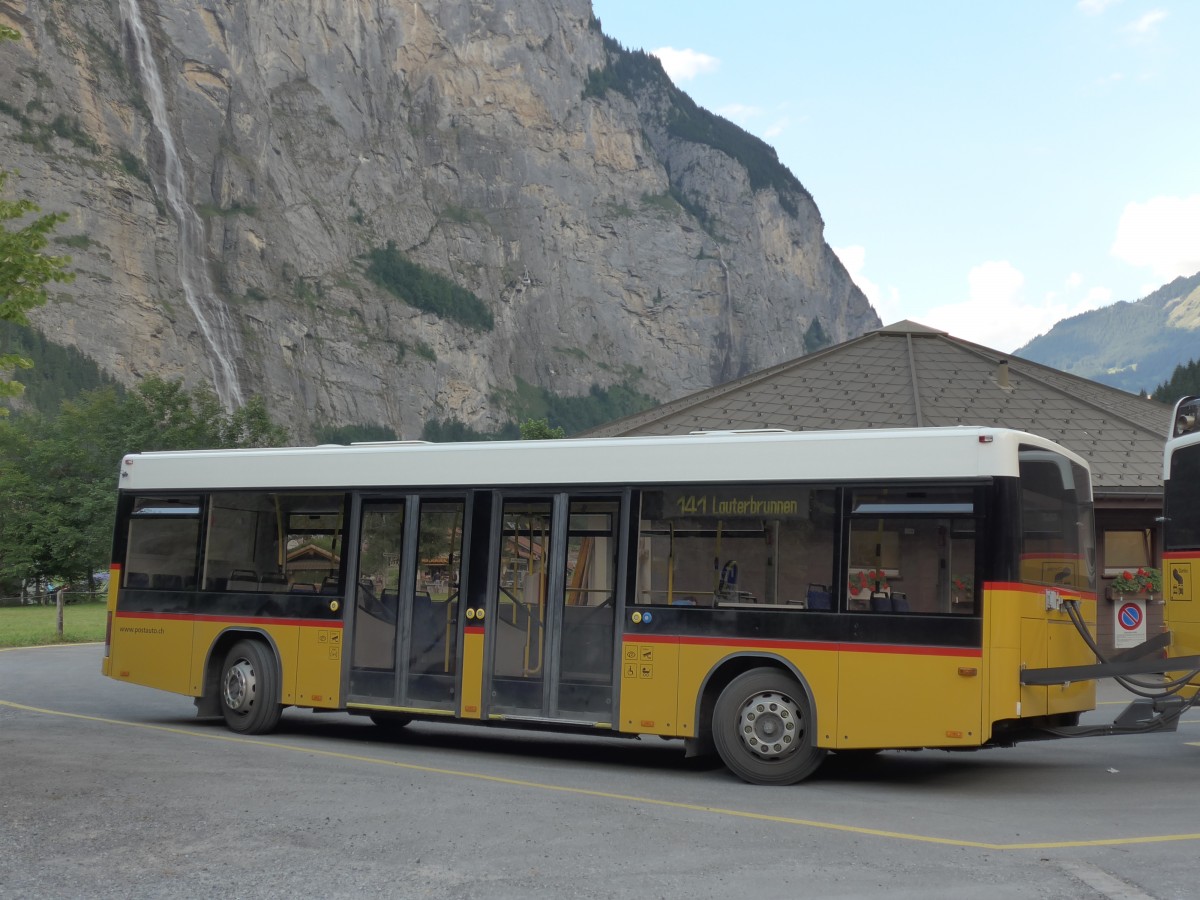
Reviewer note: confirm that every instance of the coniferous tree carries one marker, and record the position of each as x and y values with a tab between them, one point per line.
1184	382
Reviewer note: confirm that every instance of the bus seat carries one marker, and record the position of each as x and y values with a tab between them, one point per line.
331	586
819	597
242	580
301	588
899	601
274	582
167	582
881	602
137	580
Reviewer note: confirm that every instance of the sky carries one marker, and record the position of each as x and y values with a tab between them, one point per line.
985	168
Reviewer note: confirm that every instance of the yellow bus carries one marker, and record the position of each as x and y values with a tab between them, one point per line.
774	596
1181	537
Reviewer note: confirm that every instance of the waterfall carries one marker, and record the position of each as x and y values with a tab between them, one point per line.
216	325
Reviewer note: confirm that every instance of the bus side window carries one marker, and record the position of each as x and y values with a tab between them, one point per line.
736	546
274	543
162	541
907	556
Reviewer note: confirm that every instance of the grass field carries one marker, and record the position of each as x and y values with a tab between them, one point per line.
29	626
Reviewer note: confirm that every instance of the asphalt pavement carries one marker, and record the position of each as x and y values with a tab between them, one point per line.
112	790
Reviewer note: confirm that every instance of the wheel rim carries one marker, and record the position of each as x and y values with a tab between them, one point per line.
240	687
769	725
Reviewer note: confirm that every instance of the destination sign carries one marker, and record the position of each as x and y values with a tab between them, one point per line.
727	503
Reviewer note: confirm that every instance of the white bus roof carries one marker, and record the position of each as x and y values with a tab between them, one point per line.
713	457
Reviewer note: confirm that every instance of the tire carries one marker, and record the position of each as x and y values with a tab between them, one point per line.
249	689
390	722
762	727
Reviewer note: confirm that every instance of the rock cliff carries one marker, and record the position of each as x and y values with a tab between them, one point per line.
232	170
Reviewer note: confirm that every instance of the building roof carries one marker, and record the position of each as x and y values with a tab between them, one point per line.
908	375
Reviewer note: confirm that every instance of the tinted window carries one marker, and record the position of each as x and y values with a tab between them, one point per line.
164	539
1058	538
1182	500
745	545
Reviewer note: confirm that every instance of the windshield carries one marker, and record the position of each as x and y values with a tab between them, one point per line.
1058	535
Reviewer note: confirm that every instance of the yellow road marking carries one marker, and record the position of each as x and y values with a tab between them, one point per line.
55	646
628	798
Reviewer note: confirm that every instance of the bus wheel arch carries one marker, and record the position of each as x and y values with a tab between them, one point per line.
728	669
247	688
763	725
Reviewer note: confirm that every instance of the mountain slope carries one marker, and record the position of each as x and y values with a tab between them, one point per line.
1132	346
234	173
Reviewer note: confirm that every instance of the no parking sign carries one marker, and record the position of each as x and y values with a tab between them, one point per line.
1129	627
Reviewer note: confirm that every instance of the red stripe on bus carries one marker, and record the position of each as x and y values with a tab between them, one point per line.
233	620
1182	554
1035	589
906	649
473	629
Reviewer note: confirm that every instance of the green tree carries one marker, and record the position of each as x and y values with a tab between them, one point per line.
58	475
815	337
1184	381
425	289
25	269
540	430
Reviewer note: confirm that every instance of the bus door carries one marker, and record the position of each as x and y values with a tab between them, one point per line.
407	633
551	615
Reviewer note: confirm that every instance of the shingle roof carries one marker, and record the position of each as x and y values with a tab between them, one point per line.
910	375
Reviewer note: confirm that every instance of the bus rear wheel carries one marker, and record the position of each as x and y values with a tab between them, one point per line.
250	688
390	722
762	729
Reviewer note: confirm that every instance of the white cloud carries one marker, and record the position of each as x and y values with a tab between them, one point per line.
886	301
1162	234
776	128
684	65
996	314
1147	23
1096	298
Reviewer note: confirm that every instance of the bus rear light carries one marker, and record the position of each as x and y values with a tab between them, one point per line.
986	438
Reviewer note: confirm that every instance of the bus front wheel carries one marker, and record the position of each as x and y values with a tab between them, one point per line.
250	688
763	729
